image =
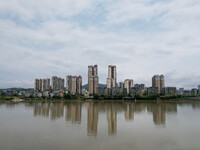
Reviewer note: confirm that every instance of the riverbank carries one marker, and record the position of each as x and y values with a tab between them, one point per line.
20	99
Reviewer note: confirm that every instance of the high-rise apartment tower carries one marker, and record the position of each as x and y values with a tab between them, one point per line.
74	84
159	82
93	79
128	84
112	77
57	84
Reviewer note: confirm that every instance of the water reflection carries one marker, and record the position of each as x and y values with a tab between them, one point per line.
112	119
73	112
92	118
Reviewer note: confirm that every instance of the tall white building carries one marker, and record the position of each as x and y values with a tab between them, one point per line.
74	84
41	84
93	79
112	77
45	84
128	84
159	82
57	84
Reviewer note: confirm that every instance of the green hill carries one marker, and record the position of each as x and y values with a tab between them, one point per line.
86	86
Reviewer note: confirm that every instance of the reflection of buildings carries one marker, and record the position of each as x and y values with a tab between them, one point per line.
57	110
44	109
92	120
41	109
112	120
73	112
129	114
159	111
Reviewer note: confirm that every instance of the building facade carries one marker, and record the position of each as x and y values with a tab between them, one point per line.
128	84
112	77
152	91
140	86
36	85
74	84
42	84
121	84
180	91
93	79
69	83
194	91
45	84
136	91
57	84
102	91
169	91
159	82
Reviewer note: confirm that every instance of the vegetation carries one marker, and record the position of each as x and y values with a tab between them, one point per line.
168	97
146	97
122	96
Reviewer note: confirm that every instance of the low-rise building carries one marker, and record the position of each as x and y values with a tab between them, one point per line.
37	94
169	91
199	89
121	84
186	92
117	91
152	91
10	92
140	86
45	93
194	91
136	91
128	84
85	93
102	91
180	91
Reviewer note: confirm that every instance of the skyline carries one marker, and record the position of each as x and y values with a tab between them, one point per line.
142	38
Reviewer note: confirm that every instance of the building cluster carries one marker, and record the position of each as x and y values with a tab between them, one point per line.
42	84
42	87
112	88
56	87
74	84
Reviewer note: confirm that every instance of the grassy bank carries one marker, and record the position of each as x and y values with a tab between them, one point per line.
147	98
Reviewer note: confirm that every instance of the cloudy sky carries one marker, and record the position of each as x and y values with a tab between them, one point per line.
42	38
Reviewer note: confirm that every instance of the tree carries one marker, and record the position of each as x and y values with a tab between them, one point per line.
3	94
67	96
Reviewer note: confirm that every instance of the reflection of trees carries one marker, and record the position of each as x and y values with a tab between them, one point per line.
196	105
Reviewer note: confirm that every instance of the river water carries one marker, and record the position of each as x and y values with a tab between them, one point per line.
75	125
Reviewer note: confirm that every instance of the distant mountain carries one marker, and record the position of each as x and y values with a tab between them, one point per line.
86	86
17	89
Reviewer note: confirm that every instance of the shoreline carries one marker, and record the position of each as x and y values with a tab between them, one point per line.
21	100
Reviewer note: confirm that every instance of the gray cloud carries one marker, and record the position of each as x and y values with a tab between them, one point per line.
54	44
